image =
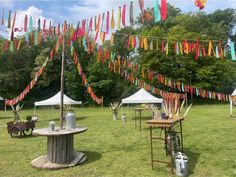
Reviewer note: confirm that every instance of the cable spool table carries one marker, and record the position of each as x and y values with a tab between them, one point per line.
60	149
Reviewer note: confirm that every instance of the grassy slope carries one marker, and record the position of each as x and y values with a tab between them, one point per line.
115	149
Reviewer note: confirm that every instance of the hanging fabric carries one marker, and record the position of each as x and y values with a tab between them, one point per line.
141	5
217	52
9	20
123	15
2	22
163	10
36	37
131	14
98	23
112	19
95	23
30	24
13	22
25	23
107	23
211	49
39	25
119	18
157	13
12	35
197	50
232	49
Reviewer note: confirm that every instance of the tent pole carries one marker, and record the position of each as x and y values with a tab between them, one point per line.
62	80
34	109
230	106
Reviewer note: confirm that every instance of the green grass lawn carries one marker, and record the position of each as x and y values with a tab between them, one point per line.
116	149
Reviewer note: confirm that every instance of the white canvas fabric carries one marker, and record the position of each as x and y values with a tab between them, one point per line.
142	96
55	100
1	98
234	93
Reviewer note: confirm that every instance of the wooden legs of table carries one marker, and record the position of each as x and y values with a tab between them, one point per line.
140	121
151	146
135	118
165	139
181	135
60	154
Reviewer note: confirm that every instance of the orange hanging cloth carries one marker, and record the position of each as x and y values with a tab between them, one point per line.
112	19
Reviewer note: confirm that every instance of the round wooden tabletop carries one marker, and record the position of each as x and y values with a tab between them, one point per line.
58	131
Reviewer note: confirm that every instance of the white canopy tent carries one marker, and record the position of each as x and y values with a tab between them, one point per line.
232	99
142	96
56	100
1	99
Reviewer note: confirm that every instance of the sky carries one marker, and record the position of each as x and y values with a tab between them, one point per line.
74	11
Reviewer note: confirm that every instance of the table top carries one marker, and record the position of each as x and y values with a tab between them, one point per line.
58	131
164	122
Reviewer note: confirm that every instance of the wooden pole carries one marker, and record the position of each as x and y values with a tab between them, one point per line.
62	82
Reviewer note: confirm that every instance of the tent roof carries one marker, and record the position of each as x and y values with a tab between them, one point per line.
1	98
55	100
234	93
141	96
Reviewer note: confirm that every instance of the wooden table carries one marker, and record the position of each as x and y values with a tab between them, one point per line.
139	111
60	149
167	125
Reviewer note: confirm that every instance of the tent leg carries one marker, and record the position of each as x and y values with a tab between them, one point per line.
34	110
5	110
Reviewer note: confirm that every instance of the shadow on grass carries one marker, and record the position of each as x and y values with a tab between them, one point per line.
81	117
92	156
192	159
6	117
24	136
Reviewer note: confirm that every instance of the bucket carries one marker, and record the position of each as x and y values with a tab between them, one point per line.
51	126
163	115
70	120
181	164
123	118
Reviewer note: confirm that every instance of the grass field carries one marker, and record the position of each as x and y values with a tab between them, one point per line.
116	149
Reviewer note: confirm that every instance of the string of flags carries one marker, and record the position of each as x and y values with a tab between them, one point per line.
114	67
186	46
98	24
21	96
83	76
122	67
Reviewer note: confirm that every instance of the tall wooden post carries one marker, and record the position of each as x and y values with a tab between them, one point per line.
62	81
